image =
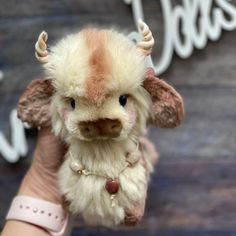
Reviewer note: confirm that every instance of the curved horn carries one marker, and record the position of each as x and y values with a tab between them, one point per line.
147	41
41	52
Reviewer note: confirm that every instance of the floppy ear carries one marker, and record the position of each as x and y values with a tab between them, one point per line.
167	109
33	106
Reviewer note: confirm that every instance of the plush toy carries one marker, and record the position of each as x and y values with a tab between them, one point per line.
98	96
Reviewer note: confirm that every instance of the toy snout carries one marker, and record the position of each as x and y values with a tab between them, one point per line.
101	128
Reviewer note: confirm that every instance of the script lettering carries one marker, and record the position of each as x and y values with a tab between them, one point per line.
189	26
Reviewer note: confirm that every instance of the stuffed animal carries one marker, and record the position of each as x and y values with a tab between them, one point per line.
98	97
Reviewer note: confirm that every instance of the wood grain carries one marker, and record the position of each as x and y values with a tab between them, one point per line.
192	192
205	67
63	7
29	8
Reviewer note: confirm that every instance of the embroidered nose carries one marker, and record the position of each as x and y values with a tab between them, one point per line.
102	127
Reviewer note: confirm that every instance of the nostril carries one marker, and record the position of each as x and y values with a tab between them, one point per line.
87	129
114	126
103	127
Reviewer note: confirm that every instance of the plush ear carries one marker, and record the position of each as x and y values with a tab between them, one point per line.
167	105
33	106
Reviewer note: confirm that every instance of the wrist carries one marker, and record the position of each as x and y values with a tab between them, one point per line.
41	185
43	215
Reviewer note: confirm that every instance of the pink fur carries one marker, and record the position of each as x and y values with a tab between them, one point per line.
65	113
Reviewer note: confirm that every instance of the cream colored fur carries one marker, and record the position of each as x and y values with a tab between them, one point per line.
87	194
68	68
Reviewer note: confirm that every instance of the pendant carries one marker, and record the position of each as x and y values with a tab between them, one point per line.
112	186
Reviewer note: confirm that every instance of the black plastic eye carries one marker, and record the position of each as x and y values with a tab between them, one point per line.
72	103
123	99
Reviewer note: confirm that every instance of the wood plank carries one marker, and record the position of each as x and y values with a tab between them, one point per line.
19	36
207	130
214	65
187	195
151	232
203	139
29	8
181	195
205	133
70	7
18	77
63	7
205	67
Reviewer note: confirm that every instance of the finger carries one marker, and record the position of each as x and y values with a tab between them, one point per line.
50	150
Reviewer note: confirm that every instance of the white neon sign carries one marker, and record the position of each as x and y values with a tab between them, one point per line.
200	20
18	147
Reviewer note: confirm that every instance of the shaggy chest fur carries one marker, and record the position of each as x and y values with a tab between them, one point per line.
87	194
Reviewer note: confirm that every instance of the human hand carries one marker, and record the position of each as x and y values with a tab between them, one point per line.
41	179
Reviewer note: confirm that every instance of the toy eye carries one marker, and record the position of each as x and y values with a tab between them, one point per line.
123	99
72	103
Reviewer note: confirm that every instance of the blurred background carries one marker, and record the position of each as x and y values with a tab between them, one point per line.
193	190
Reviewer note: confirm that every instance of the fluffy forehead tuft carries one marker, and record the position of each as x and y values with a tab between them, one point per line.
95	62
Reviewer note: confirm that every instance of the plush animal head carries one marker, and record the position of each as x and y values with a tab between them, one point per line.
98	87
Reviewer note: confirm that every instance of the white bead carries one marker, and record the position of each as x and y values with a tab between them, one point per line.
35	210
75	166
133	157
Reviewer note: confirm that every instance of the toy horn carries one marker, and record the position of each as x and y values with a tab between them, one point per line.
147	42
41	52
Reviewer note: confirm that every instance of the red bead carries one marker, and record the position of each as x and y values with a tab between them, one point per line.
112	186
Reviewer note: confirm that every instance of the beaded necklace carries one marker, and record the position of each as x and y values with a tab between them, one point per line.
112	184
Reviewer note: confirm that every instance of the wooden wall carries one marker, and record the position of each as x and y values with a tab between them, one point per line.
193	191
